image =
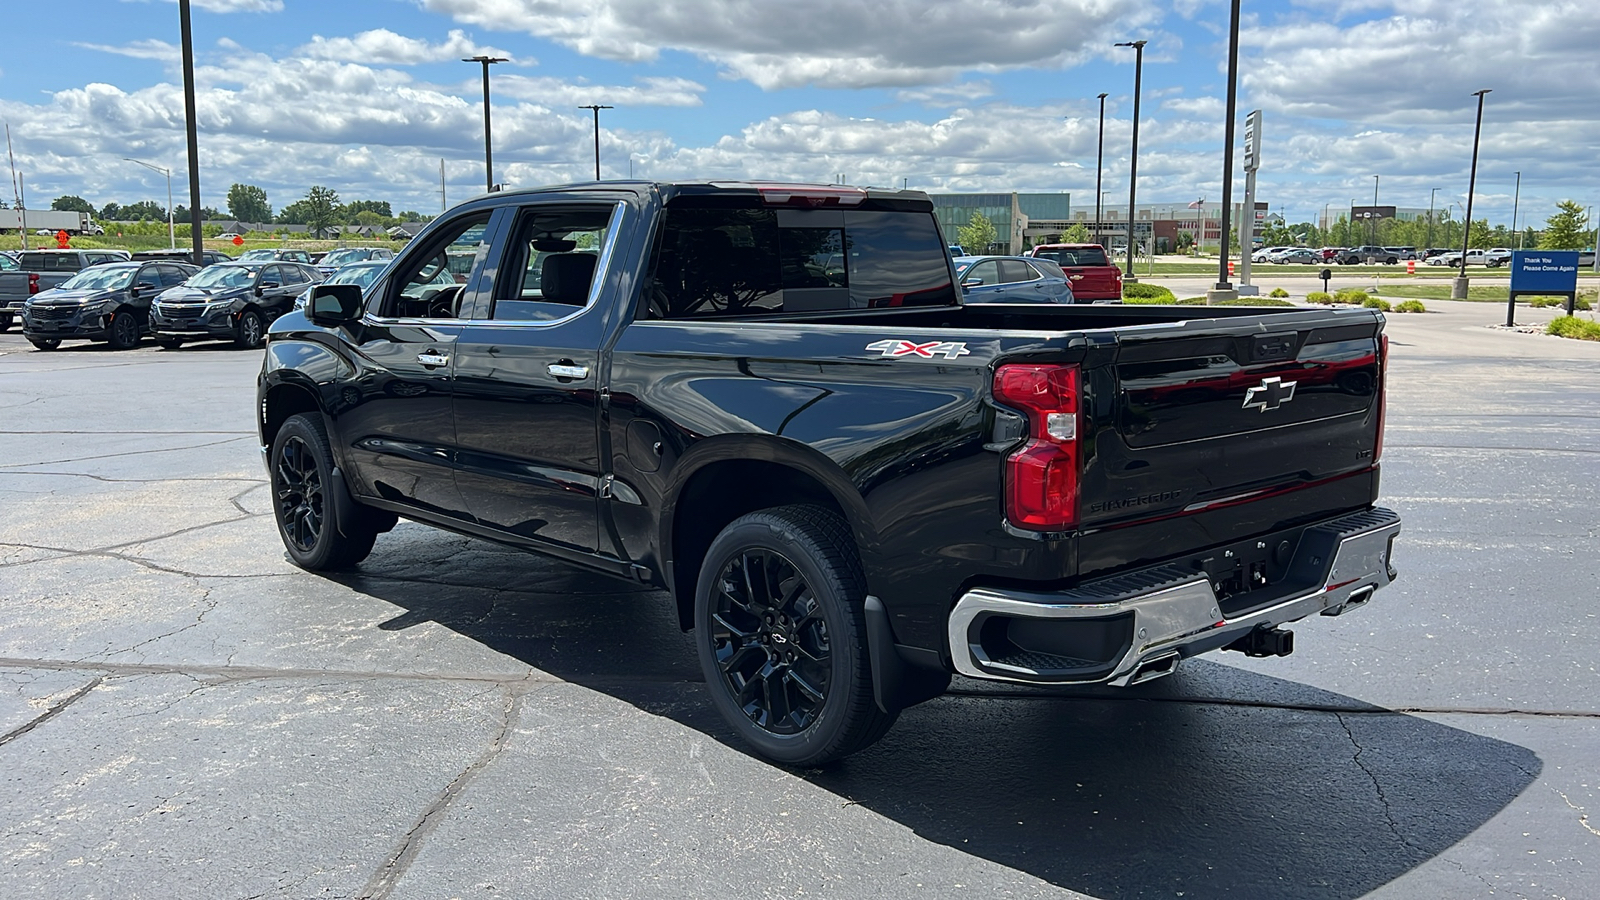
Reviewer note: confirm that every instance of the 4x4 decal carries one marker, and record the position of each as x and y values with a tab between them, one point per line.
894	348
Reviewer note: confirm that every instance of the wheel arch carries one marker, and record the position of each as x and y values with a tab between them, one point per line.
281	399
723	478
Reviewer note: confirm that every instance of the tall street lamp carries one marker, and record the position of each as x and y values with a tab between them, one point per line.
1372	221
488	146
596	107
1224	289
1431	193
196	236
172	239
1458	291
1099	164
1133	158
1515	198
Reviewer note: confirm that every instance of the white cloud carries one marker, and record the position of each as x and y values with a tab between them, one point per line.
558	94
231	6
381	46
146	49
827	43
945	95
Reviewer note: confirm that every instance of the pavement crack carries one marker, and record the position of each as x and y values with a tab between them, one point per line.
384	880
57	462
1377	786
54	710
1583	815
109	480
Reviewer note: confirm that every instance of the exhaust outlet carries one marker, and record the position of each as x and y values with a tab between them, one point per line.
1151	669
1358	599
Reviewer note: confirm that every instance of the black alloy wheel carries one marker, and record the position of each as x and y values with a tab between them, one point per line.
781	633
5	322
303	505
45	343
251	330
124	330
771	641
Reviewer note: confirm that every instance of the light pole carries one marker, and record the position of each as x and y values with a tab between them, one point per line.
1099	163
1515	199
1224	289
196	236
488	146
1372	220
596	108
1458	291
1133	158
172	238
1431	193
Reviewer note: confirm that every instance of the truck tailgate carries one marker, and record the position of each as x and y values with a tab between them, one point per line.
1223	413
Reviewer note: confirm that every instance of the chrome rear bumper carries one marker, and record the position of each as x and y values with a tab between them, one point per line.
1136	626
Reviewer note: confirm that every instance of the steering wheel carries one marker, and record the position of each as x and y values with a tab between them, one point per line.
442	303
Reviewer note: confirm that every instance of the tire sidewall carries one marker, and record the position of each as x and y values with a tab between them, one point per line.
117	339
245	339
322	551
773	534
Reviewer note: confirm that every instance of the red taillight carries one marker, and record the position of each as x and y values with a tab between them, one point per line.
1042	475
1383	393
33	282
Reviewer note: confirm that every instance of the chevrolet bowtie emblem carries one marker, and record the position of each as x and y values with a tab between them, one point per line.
1271	393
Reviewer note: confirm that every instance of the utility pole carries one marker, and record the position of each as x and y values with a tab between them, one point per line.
1515	199
1458	291
1099	166
596	108
16	191
488	145
1133	157
1224	289
172	240
1431	195
1372	220
196	238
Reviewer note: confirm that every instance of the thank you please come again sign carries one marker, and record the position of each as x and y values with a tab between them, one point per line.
1535	271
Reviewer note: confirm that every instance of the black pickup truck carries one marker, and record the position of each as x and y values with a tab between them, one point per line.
852	486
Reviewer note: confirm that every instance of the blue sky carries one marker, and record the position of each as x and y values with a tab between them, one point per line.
366	96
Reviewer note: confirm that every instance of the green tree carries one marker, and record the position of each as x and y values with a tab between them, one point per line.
1568	229
1185	241
72	203
977	234
1480	236
356	207
368	217
322	209
248	203
110	211
1077	234
142	211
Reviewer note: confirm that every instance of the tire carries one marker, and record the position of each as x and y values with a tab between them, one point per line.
45	343
123	334
251	330
779	607
169	343
302	504
5	322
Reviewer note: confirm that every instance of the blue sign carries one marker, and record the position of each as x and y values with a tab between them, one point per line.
1555	271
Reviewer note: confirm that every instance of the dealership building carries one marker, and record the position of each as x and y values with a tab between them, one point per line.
1022	220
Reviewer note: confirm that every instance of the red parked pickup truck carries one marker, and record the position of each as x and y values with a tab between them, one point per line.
1094	278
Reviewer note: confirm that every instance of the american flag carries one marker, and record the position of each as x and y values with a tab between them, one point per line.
1198	203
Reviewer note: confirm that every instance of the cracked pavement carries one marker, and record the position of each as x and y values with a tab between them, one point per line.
185	715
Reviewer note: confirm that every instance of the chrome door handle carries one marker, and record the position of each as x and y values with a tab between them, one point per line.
433	359
561	370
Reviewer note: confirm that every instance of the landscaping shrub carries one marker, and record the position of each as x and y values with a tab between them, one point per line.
1410	306
1350	295
1138	290
1280	293
1242	301
1573	327
1376	303
1319	297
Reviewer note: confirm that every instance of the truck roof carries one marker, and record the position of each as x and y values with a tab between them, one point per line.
795	193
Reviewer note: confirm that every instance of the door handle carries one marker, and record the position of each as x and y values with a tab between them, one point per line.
433	359
567	370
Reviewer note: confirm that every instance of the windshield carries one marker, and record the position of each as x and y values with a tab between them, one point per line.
7	262
1076	256
224	277
362	275
343	257
260	254
99	279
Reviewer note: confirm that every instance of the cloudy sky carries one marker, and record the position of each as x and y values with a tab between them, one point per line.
367	96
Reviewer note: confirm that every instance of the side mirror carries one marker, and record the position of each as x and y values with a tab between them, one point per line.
143	287
973	282
333	305
265	286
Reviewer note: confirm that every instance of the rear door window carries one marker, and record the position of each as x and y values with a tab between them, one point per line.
549	266
1015	270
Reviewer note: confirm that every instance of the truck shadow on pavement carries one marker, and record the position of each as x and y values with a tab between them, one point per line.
1216	782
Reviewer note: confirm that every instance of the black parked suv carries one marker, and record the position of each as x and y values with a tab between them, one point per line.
233	301
210	257
108	302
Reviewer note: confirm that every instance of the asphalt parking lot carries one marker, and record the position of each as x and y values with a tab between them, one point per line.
185	715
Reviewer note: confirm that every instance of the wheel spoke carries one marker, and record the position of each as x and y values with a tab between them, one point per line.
722	619
805	687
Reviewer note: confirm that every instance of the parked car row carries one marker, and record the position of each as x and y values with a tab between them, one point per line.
172	302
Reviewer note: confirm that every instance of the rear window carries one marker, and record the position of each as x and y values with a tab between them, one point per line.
1076	256
51	262
761	261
